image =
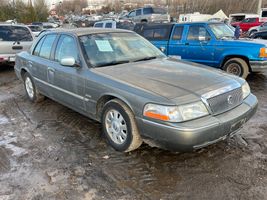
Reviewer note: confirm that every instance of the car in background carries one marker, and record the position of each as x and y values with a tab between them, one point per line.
35	29
121	24
238	17
247	23
120	79
208	43
259	35
14	38
255	29
148	14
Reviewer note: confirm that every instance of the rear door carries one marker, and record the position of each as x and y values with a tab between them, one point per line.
199	45
40	64
14	39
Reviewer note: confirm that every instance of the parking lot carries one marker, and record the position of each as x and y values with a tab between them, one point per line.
48	151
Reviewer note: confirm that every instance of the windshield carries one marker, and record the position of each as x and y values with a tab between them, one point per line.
105	49
222	31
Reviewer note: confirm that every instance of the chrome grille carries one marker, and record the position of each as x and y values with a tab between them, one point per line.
226	101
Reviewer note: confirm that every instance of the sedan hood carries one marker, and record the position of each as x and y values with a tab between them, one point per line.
169	78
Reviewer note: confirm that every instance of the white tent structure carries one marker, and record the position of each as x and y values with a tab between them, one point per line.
219	15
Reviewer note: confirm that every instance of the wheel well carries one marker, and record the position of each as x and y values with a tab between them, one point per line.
236	56
100	104
144	20
22	72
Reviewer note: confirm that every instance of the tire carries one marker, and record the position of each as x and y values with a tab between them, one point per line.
237	66
252	32
119	126
31	90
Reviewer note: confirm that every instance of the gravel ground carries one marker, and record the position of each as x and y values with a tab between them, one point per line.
48	151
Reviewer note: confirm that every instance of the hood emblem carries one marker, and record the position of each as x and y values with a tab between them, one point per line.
230	99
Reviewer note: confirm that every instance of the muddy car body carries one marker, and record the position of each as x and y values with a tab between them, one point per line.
146	97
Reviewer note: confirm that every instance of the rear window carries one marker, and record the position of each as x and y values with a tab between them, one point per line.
15	33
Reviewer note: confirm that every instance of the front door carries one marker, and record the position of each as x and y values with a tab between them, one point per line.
68	81
199	45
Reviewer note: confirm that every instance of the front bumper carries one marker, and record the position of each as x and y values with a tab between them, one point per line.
258	66
198	133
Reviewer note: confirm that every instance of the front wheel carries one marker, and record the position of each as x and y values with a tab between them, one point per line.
31	90
119	126
237	66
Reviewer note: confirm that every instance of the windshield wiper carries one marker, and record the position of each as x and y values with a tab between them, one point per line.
113	63
146	58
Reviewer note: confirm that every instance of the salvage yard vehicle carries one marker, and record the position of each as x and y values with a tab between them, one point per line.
208	43
138	94
259	35
14	38
148	14
247	23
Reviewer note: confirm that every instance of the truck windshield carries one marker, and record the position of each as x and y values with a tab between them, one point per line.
222	31
106	49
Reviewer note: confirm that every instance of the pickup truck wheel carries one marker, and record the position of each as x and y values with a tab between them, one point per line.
31	90
119	126
236	66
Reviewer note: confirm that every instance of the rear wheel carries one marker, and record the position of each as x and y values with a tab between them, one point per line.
236	66
119	126
31	90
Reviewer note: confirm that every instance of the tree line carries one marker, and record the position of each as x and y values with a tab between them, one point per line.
24	12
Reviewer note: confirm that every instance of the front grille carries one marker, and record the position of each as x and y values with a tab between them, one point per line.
226	101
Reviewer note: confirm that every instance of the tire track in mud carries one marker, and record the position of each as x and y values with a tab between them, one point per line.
69	148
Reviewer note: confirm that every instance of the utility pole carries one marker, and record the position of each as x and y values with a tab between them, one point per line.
259	6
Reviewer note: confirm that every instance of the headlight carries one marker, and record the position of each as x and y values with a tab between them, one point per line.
263	53
175	113
245	90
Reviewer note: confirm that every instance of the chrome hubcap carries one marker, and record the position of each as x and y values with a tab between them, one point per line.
29	87
116	126
234	69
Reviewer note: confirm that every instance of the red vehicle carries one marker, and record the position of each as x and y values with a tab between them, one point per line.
247	23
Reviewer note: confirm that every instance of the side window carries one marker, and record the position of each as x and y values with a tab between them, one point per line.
36	50
99	25
108	25
138	12
47	46
66	47
132	14
178	32
155	34
147	11
197	32
148	33
160	33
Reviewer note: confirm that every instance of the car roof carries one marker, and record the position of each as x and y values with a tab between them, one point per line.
10	24
86	31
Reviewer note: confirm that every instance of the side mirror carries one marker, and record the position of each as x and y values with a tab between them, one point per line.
68	61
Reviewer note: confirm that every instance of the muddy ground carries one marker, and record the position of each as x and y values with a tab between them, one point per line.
49	152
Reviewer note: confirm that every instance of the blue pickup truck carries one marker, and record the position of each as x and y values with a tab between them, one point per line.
208	43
